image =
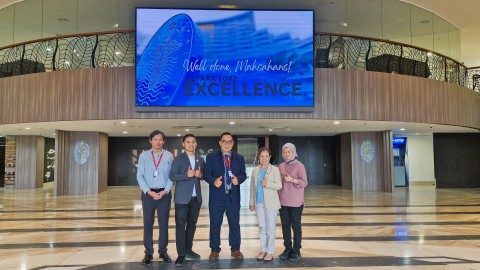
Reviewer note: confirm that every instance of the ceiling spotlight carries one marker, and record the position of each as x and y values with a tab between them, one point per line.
402	129
123	122
231	123
125	132
336	123
228	6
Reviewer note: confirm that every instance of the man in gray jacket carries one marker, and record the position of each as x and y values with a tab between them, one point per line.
186	172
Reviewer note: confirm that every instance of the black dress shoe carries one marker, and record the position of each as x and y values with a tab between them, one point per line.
165	257
180	261
295	256
147	259
192	255
286	254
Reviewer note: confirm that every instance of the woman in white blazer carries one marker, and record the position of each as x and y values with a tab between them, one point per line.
264	186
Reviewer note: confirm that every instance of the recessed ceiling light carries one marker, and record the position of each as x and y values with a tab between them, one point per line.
336	123
231	123
227	6
187	129
115	25
402	129
123	122
54	134
178	135
125	132
270	129
344	24
117	53
429	54
27	128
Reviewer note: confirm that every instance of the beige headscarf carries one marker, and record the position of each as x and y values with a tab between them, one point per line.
292	148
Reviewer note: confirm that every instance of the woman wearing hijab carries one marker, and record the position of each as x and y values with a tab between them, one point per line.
294	181
264	186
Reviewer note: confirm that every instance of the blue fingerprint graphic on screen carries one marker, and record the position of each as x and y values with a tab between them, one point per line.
160	72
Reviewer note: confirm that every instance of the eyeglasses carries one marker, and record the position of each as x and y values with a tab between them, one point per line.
226	142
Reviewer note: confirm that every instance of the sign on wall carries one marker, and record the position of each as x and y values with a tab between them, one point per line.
224	58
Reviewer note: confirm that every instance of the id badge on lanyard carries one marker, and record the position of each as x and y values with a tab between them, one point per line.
156	164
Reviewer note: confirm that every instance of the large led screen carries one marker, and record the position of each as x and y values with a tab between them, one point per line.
224	58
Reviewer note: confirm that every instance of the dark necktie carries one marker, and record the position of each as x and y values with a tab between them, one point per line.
228	180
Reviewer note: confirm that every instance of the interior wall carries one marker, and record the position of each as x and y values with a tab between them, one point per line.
2	161
72	178
420	158
29	162
367	161
456	160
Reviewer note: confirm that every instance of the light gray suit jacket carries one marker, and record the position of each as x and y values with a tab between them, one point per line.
270	192
184	184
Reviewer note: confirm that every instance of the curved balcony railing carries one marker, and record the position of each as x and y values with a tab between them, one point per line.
94	50
117	49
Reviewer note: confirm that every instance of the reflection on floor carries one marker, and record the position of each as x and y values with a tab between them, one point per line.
417	228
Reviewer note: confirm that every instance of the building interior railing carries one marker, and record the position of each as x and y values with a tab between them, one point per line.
331	50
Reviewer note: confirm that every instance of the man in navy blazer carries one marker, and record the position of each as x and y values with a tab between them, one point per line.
224	172
186	173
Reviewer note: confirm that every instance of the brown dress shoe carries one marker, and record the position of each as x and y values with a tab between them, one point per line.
213	256
237	255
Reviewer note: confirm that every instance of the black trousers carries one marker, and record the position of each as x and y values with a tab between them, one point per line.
149	206
186	217
291	218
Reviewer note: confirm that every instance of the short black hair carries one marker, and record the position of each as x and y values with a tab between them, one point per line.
188	135
225	133
155	133
264	148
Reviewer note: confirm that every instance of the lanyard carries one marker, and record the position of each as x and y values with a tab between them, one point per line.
155	162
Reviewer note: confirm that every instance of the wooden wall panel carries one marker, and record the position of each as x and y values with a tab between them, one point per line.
72	178
376	175
346	160
108	93
29	162
358	175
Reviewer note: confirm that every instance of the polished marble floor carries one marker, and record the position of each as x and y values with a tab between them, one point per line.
413	228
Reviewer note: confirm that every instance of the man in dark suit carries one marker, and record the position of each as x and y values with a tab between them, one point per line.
224	172
186	173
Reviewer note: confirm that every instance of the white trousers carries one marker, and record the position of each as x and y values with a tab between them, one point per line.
267	222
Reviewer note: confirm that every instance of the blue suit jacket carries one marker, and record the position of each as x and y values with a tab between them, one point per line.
215	168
